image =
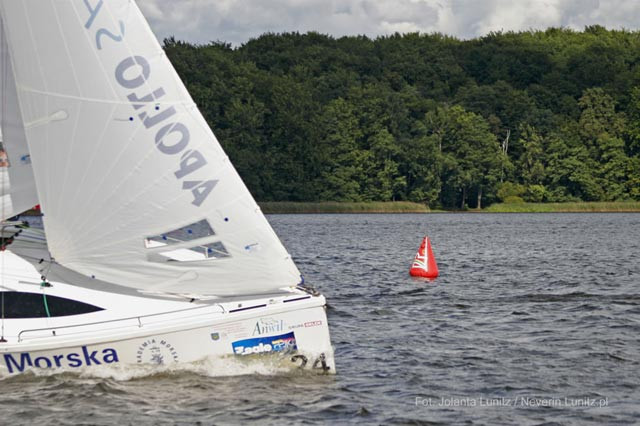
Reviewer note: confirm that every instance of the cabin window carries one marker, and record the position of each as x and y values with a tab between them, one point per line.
193	254
200	229
32	305
213	250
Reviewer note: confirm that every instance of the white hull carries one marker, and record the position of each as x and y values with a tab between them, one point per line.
304	332
291	325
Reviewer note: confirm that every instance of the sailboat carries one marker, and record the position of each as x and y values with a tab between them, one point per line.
150	249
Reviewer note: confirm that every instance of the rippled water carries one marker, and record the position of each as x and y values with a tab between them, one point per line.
535	319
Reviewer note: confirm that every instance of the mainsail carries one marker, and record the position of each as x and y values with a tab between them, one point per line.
17	181
134	187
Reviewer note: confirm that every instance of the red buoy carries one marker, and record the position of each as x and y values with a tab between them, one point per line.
424	265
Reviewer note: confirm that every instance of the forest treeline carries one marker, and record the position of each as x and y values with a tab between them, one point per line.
537	116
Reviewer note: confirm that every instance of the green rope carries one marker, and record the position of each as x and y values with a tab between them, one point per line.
46	306
44	298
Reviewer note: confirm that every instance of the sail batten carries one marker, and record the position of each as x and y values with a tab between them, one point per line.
121	153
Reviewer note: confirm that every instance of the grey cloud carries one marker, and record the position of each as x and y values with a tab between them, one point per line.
236	21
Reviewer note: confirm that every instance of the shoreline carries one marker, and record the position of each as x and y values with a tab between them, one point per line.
379	207
324	207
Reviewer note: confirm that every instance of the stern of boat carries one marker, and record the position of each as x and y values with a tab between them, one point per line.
299	333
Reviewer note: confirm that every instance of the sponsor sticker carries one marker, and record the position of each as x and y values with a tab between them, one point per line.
231	331
268	326
306	325
262	345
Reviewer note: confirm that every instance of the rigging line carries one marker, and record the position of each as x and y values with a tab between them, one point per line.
32	230
35	258
46	273
43	285
2	339
27	239
114	101
3	65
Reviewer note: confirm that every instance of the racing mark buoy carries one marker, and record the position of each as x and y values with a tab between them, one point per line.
424	264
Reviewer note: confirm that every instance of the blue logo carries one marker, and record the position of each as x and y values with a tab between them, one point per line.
262	345
72	360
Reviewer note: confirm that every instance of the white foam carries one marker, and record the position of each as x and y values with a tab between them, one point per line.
213	366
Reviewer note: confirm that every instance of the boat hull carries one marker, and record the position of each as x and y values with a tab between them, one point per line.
296	335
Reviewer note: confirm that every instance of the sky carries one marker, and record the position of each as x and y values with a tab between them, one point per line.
237	21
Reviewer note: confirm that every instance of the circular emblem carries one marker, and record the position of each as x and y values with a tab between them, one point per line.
156	351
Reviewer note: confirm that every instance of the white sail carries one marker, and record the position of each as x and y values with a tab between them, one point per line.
17	181
134	187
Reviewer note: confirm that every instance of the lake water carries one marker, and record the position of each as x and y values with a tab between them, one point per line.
535	319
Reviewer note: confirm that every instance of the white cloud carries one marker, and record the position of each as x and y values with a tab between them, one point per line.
236	21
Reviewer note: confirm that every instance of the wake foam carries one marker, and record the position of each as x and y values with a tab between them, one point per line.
213	366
